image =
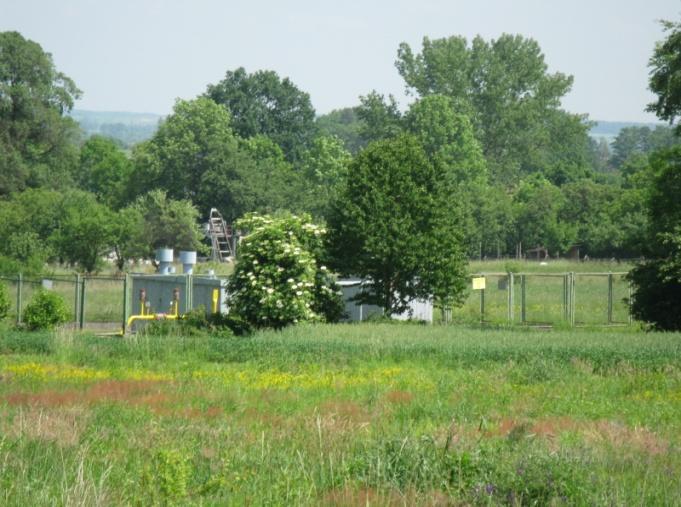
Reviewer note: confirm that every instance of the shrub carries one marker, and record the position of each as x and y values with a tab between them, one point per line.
656	295
45	311
277	281
4	301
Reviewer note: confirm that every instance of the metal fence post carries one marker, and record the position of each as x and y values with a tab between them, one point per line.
565	297
610	281
523	311
482	305
82	303
629	305
510	298
126	308
76	300
19	287
573	298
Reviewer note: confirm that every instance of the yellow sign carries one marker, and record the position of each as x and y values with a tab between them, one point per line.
479	283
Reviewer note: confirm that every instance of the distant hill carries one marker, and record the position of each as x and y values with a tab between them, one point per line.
609	129
128	128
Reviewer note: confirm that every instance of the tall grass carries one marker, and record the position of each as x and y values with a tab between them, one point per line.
373	414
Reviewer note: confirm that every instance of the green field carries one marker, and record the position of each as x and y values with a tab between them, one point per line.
370	414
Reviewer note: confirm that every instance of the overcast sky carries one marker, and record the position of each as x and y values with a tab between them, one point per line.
139	55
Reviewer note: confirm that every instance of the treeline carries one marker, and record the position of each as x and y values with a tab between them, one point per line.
523	171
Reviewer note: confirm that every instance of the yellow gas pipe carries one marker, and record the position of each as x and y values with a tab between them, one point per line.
146	315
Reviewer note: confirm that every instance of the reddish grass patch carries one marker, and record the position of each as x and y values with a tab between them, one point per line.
399	397
137	392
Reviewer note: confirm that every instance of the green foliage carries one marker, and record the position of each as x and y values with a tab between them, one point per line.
343	124
167	223
536	209
105	171
633	141
263	103
5	303
192	146
86	231
664	82
276	281
504	87
448	139
379	119
266	181
172	474
37	143
46	310
323	168
395	224
657	282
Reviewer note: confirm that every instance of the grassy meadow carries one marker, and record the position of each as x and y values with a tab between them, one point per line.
370	414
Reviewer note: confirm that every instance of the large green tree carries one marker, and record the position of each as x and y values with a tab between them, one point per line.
85	234
449	141
513	101
323	168
37	142
193	150
537	208
263	103
105	171
167	223
657	281
665	74
393	224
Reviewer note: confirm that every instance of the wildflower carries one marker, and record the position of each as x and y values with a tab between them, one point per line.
270	290
323	268
299	293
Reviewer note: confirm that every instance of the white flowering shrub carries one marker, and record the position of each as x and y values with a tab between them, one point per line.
277	280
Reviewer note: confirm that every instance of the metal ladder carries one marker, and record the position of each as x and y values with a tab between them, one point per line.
220	237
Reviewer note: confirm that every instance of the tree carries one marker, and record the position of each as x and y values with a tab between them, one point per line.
193	144
28	221
380	119
449	141
393	224
504	87
323	168
85	233
537	210
169	223
129	235
343	124
665	74
263	103
37	142
105	171
631	141
657	281
600	154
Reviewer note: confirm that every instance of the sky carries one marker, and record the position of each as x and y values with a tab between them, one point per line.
141	55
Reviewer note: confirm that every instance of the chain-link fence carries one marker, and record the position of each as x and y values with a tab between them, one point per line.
547	299
93	302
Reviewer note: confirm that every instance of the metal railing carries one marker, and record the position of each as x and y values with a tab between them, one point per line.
594	299
94	302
